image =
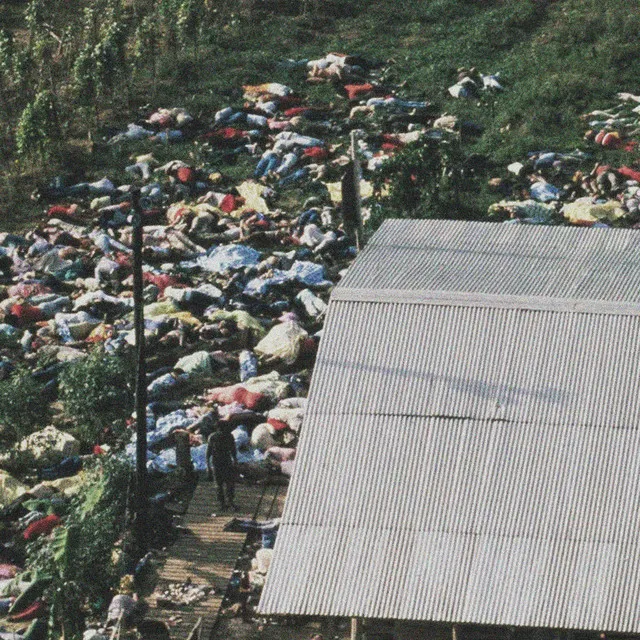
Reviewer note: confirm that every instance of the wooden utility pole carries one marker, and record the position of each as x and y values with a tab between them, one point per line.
356	629
351	199
140	522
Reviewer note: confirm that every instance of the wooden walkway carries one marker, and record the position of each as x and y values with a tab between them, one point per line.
207	554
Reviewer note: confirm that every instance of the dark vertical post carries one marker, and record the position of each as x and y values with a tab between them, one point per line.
141	379
351	200
356	629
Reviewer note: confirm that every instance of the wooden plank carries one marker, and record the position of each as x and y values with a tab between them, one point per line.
207	555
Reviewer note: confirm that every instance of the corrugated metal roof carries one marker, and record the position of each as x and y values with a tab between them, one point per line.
479	363
487	257
468	458
457	532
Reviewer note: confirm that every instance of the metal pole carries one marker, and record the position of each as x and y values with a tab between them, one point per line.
141	379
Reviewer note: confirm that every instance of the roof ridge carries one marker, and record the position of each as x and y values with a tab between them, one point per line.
486	300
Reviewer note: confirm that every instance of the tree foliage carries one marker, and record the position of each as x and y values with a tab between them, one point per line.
38	128
22	410
97	395
424	180
77	560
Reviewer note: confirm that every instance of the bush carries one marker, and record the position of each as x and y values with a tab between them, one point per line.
97	395
424	180
38	130
79	557
22	410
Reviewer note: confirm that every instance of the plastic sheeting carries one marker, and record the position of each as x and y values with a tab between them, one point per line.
225	258
306	273
282	343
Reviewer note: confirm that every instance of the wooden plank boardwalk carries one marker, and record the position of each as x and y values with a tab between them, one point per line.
207	554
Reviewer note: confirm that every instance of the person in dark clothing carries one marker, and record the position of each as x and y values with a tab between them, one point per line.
221	464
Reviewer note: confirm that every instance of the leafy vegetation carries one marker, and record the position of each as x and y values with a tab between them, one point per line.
77	562
94	62
423	180
97	395
38	131
22	410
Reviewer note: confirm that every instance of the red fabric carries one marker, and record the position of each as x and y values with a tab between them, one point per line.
391	142
316	153
58	210
26	314
248	398
228	203
186	175
225	135
42	527
630	173
278	425
354	91
229	133
34	610
161	280
98	450
296	111
236	393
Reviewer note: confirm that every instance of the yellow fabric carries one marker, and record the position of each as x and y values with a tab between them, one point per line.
252	194
242	319
335	190
583	211
10	488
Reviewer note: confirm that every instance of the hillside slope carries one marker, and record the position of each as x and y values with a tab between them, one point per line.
556	59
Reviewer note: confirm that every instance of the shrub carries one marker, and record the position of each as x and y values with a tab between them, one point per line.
38	129
97	394
78	557
424	180
22	410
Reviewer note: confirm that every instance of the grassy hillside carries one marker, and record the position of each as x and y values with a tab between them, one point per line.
556	60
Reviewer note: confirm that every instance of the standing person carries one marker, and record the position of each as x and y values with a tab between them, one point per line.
221	463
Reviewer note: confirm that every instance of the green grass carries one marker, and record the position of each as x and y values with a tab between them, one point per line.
556	59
